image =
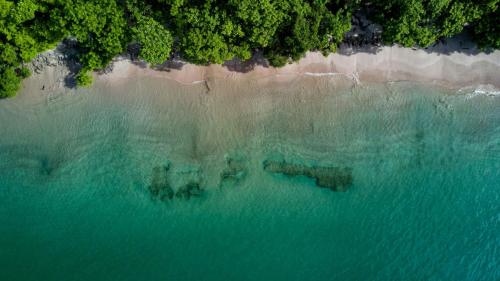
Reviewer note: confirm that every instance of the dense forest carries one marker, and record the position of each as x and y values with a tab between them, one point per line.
214	31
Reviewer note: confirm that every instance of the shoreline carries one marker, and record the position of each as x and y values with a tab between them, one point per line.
388	64
445	64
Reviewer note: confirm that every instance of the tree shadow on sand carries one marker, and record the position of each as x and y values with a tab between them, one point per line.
173	63
238	65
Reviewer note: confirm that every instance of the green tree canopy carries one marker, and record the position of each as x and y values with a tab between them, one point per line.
149	31
486	30
19	41
421	22
98	26
214	31
208	34
309	25
155	41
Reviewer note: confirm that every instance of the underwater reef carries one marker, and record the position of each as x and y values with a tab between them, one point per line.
234	171
333	178
160	187
338	179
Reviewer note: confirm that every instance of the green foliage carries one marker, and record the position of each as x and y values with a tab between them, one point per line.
19	41
24	72
156	41
309	25
208	34
9	82
8	54
276	59
214	31
487	31
99	27
84	78
421	22
259	19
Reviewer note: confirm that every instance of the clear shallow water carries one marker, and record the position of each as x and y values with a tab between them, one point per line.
75	169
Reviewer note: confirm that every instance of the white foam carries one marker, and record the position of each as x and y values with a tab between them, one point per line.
198	82
354	76
480	90
320	74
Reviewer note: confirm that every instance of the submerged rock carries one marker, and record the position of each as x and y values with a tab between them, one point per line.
334	178
44	161
160	188
46	166
187	173
189	190
235	169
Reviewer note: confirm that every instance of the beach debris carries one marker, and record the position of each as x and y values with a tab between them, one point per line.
333	178
160	187
207	86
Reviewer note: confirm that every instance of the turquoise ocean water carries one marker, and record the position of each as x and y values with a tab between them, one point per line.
76	167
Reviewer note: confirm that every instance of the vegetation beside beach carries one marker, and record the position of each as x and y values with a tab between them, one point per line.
214	31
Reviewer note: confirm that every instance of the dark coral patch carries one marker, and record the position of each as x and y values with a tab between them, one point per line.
334	178
160	188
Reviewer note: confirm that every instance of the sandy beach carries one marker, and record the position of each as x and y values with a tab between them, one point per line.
454	65
447	65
